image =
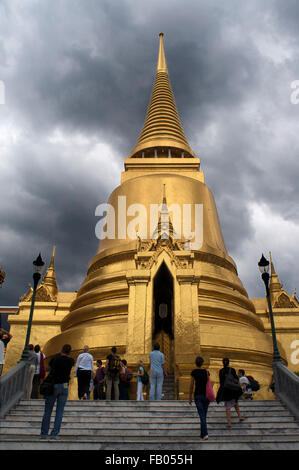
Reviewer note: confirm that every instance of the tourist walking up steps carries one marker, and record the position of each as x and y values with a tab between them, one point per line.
157	368
202	395
60	368
84	372
245	384
33	363
39	372
229	391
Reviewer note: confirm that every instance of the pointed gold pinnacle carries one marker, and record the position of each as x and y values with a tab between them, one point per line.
162	134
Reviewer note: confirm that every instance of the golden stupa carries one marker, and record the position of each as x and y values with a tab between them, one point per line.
143	289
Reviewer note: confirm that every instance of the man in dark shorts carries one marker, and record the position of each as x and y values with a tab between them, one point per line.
60	367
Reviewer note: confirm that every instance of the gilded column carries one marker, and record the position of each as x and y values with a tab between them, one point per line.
139	317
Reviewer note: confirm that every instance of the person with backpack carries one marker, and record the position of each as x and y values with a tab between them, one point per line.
229	391
59	370
245	384
113	368
125	378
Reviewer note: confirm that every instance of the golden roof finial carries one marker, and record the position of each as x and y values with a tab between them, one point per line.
164	194
49	279
275	285
161	65
162	134
53	258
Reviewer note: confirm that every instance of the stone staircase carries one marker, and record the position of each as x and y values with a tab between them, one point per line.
163	425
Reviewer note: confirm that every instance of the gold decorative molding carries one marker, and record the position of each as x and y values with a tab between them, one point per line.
148	252
284	301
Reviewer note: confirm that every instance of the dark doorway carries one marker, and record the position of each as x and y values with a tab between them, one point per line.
163	302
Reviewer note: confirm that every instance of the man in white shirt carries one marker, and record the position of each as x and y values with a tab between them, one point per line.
84	371
245	384
37	375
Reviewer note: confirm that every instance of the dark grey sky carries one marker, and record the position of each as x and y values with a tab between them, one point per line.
78	76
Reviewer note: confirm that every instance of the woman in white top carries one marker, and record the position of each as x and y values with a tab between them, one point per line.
140	373
84	371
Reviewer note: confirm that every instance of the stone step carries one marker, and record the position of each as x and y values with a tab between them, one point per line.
145	416
165	404
138	432
166	437
131	445
132	425
156	419
146	406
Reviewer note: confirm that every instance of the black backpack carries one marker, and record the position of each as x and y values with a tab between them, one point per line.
254	385
114	365
144	378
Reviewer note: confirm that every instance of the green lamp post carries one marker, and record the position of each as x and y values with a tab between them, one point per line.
38	267
264	269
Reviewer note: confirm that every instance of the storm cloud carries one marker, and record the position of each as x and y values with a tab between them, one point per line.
78	75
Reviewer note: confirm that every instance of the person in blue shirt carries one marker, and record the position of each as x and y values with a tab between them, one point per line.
157	373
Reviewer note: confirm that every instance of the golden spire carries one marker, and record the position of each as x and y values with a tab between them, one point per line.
49	279
275	285
47	290
161	65
165	226
162	134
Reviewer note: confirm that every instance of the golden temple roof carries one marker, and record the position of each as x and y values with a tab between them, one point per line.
162	134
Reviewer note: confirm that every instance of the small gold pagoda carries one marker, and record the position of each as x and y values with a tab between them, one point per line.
148	289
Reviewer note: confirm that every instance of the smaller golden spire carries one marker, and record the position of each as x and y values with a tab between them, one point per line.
164	228
275	285
164	194
49	279
47	290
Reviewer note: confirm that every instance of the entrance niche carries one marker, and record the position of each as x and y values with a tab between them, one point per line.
163	314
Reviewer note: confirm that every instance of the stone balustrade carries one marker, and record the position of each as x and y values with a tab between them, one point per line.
13	387
287	387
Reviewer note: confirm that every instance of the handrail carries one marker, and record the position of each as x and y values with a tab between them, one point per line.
13	387
287	387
